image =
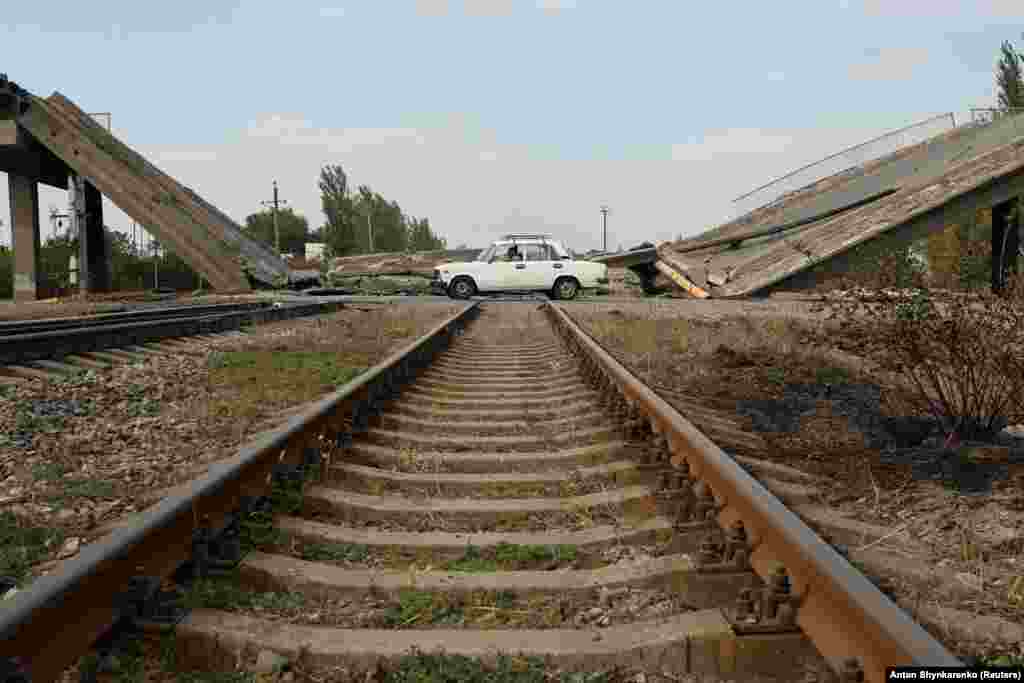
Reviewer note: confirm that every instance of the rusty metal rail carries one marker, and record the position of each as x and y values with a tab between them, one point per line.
840	611
56	339
57	619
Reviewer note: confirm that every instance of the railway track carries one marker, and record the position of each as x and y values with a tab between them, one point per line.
501	485
35	348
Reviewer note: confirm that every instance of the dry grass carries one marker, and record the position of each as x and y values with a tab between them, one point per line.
714	359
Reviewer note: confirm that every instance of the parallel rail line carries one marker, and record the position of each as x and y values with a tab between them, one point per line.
25	343
810	592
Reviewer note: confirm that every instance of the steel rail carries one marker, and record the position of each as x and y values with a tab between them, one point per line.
148	313
48	626
31	346
839	610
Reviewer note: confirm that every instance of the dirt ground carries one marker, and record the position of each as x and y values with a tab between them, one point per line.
817	406
78	454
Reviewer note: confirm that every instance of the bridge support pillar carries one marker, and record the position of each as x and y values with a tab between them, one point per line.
94	272
24	198
1006	242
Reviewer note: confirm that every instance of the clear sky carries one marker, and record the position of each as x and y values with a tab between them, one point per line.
498	115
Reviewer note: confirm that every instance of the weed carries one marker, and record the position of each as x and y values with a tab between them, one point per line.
225	593
1010	661
334	552
23	546
472	561
127	663
419	667
323	366
216	677
30	423
88	488
775	375
144	407
421	606
831	375
48	471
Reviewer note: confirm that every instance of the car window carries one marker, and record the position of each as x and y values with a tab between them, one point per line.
486	254
536	252
512	253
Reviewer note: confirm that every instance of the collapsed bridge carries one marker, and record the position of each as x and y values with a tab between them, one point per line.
53	142
919	193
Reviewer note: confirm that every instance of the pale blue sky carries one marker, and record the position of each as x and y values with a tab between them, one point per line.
493	115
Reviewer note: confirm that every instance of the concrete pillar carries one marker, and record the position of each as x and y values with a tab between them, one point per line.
24	197
1005	242
93	253
944	257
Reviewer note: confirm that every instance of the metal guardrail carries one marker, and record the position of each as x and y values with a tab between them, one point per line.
48	626
841	612
834	164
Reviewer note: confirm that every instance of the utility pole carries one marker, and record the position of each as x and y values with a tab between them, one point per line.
369	226
274	204
604	220
156	263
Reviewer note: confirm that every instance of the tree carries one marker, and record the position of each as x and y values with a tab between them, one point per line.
1009	79
422	238
292	226
339	232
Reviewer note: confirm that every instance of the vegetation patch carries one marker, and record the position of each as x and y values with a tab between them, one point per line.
418	667
258	378
334	552
22	546
421	606
227	594
510	557
88	488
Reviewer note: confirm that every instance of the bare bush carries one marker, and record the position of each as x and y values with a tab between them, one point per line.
960	354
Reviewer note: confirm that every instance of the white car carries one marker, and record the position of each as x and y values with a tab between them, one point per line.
520	263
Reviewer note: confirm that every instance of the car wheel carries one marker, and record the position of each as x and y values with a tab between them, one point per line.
461	288
566	288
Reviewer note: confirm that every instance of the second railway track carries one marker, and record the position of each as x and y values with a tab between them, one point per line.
502	485
35	348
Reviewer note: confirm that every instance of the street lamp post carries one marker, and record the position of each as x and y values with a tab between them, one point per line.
604	221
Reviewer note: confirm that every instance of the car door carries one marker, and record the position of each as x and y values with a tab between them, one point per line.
504	272
542	267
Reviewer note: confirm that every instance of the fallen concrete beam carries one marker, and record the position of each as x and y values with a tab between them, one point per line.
681	281
134	190
9	133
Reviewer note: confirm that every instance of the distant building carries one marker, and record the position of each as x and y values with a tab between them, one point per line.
315	251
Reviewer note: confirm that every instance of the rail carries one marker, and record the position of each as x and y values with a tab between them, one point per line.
150	313
53	344
840	611
48	626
